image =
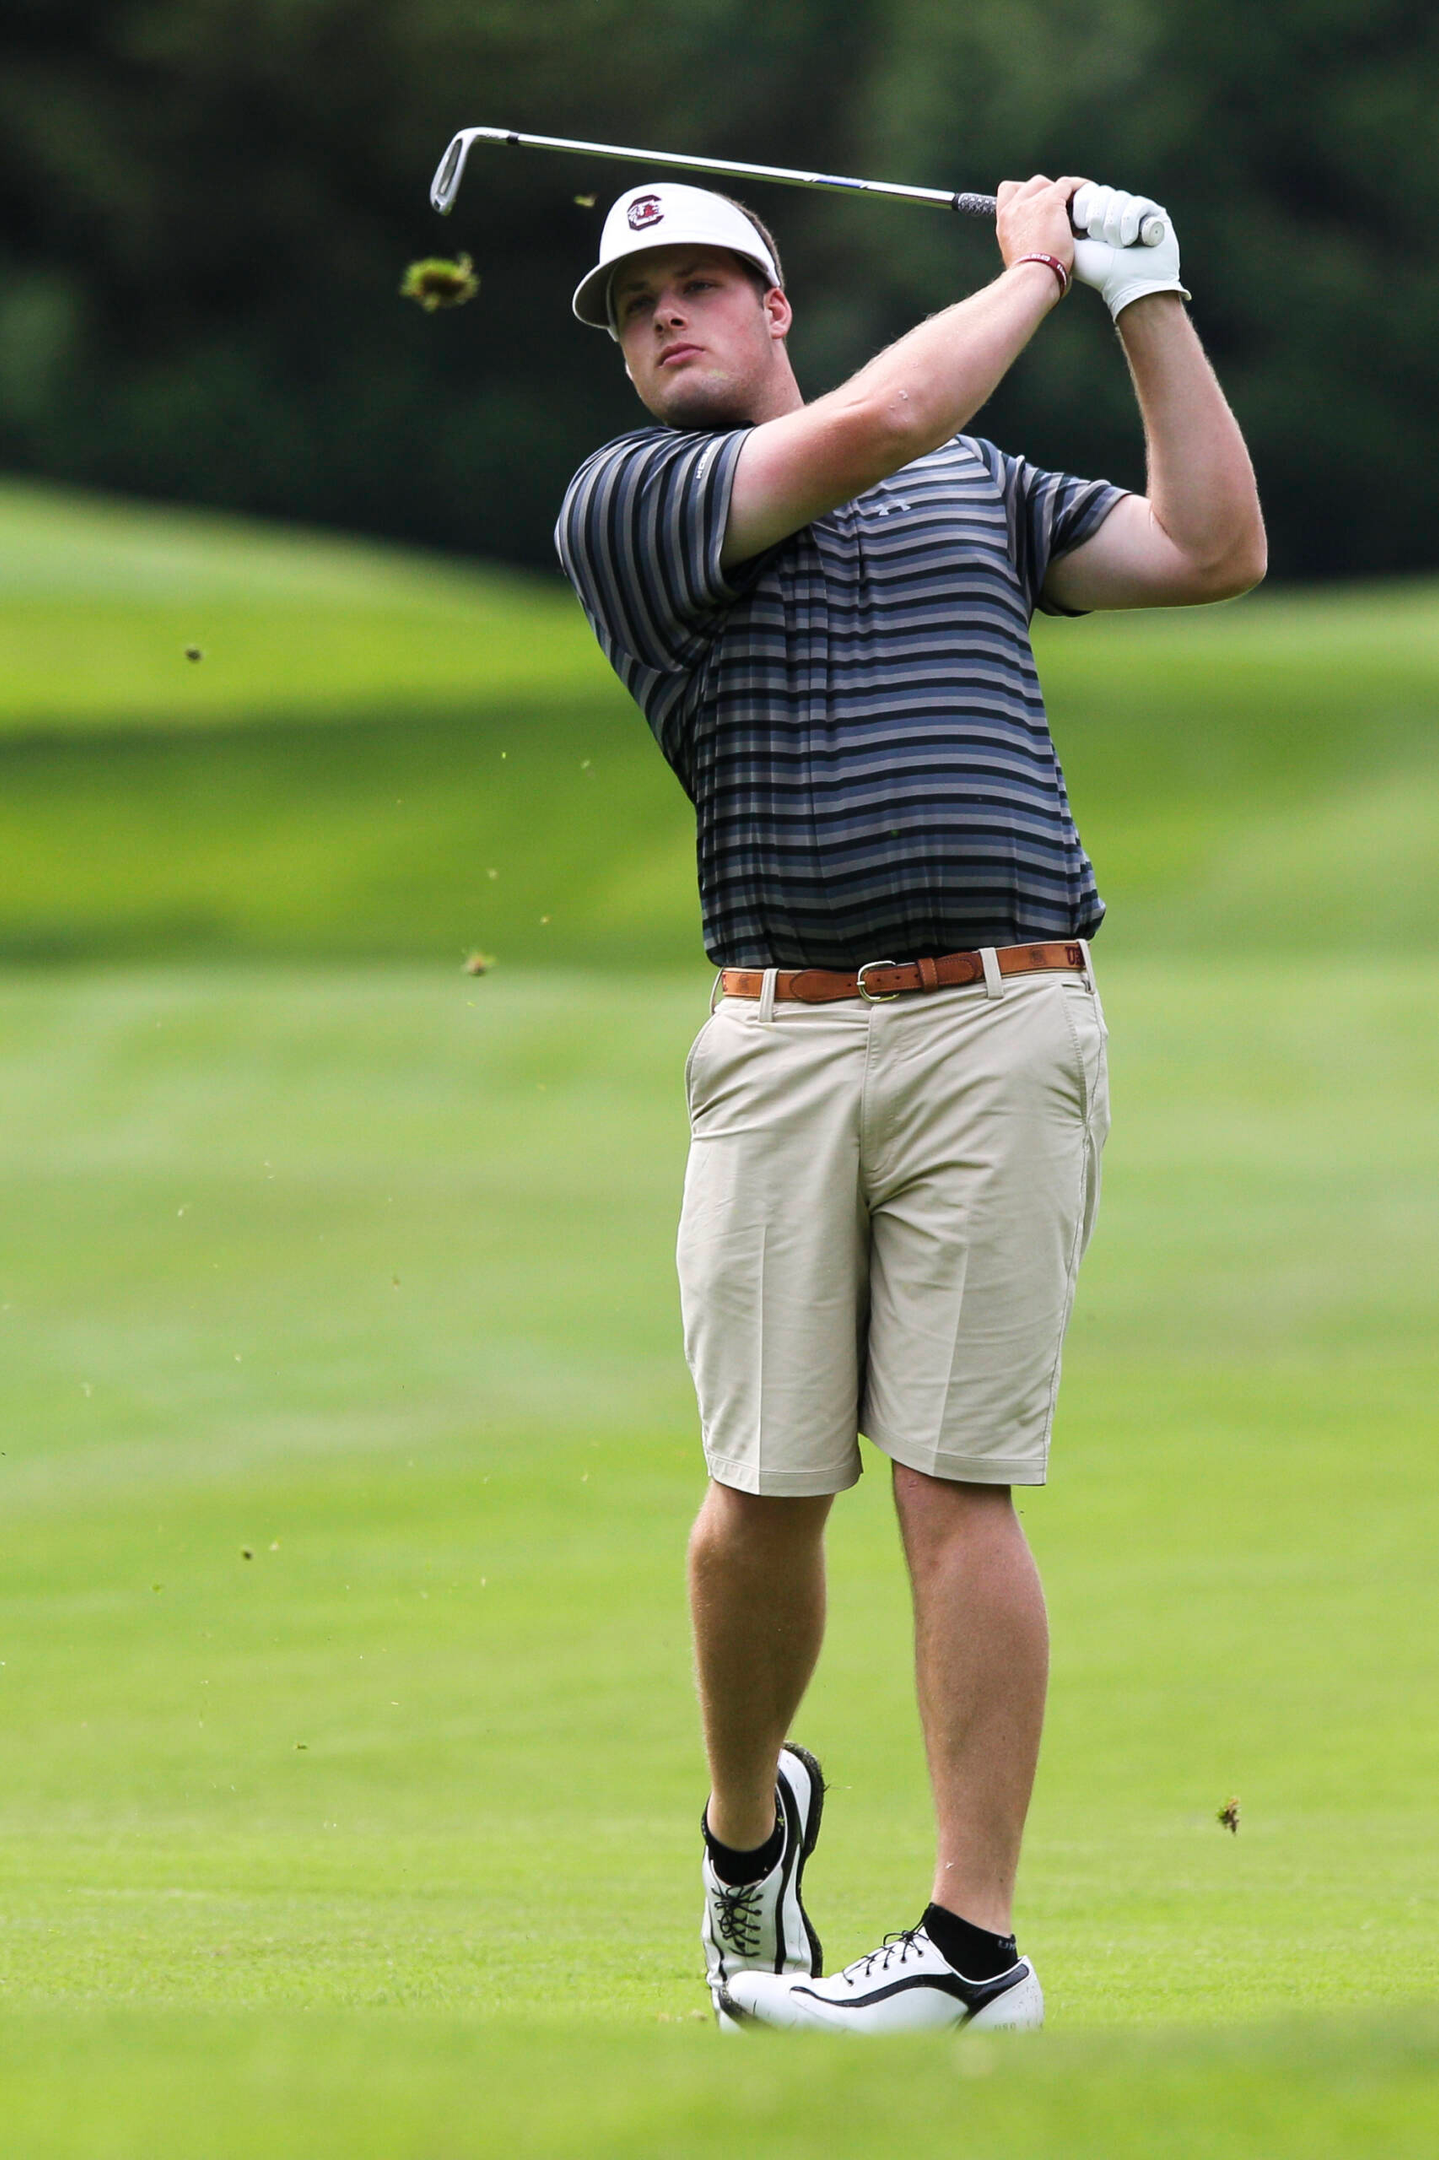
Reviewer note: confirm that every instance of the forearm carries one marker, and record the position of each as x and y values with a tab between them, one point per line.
914	396
925	387
1201	487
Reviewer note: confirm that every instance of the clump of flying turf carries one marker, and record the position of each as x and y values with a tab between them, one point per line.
1228	1816
437	282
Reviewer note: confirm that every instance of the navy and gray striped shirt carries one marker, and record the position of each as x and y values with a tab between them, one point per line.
855	714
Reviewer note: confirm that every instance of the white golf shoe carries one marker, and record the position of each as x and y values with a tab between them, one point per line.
904	1986
762	1927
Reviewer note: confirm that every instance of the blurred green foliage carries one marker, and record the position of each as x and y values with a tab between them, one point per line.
207	206
382	754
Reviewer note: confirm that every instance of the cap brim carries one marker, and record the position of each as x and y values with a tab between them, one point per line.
591	302
592	296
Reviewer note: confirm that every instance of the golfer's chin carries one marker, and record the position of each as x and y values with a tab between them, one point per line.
699	402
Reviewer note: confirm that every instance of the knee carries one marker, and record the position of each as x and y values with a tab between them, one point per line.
943	1511
731	1521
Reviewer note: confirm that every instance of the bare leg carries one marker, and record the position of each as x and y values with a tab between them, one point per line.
756	1570
981	1664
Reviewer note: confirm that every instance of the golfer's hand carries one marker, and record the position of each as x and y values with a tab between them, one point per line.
1033	219
1109	254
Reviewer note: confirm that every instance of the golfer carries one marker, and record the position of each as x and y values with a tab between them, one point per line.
899	1101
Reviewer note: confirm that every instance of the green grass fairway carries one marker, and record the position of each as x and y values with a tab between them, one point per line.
350	1777
325	2087
367	1275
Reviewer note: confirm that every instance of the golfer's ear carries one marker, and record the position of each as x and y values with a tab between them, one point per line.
779	311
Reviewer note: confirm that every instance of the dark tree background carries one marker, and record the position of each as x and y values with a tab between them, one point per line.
208	204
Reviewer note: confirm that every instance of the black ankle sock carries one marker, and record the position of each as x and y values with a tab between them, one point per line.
734	1867
971	1950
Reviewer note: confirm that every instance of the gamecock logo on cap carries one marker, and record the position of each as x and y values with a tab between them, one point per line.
644	210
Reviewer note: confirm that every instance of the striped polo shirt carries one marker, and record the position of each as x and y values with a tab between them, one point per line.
855	713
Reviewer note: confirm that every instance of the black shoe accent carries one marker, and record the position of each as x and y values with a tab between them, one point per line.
974	1995
808	1839
724	2001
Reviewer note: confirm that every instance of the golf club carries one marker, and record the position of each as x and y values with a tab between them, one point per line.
445	185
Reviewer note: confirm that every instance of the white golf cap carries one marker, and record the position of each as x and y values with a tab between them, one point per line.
665	213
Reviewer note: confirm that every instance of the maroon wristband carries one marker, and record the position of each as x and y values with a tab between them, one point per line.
1054	263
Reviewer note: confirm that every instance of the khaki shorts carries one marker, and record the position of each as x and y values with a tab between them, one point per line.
884	1212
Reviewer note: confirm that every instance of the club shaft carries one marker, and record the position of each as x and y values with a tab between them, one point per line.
445	185
452	165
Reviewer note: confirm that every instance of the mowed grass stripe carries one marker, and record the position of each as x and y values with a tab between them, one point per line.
559	837
538	836
101	598
391	755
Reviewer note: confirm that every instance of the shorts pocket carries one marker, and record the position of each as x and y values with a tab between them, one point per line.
690	1060
1089	1037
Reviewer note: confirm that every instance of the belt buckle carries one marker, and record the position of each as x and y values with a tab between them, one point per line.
874	997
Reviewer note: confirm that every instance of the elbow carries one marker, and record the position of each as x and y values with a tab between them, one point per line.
1249	560
887	429
1240	574
1256	562
913	427
1238	569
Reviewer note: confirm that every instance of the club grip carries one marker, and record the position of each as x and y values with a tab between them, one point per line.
1151	232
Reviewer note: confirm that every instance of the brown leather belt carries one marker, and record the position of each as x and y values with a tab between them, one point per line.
881	979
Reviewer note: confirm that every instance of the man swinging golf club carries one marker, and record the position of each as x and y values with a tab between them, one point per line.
899	1101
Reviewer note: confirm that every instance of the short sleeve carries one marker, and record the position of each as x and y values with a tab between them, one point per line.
1049	515
640	535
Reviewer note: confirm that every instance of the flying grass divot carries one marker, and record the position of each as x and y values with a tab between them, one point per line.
437	282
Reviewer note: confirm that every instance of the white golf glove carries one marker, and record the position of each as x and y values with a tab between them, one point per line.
1113	258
